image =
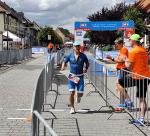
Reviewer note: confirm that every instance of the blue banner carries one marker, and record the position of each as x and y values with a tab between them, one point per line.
39	50
104	25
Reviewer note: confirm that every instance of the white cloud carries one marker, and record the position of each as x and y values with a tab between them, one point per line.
56	12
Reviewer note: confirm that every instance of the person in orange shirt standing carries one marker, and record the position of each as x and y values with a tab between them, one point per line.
137	62
82	48
120	66
49	50
50	47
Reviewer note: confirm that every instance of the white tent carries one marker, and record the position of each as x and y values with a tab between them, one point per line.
12	36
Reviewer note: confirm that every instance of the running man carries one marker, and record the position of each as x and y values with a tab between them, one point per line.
78	66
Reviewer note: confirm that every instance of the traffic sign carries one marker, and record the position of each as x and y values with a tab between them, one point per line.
49	37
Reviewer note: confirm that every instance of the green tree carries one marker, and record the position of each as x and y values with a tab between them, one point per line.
107	48
138	16
58	39
43	36
113	14
65	31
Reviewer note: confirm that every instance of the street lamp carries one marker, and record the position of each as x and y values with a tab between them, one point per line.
7	13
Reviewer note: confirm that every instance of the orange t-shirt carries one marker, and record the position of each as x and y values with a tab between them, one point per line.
123	53
50	45
139	58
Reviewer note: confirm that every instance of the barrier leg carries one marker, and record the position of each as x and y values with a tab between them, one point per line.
56	91
95	91
44	131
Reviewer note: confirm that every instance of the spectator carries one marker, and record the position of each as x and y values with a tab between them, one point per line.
138	64
57	47
120	66
50	47
82	47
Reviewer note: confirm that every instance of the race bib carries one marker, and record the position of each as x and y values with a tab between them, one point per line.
73	78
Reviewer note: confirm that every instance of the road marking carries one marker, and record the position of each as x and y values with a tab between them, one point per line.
57	110
23	109
53	110
16	118
1	108
82	111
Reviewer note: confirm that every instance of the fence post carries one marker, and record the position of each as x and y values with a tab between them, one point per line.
45	86
44	131
95	74
106	87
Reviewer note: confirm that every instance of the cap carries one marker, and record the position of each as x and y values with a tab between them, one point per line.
118	41
135	37
76	43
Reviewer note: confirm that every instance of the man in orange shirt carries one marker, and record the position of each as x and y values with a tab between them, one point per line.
120	65
137	62
49	50
82	48
50	47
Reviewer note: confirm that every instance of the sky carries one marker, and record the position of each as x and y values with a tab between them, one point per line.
60	12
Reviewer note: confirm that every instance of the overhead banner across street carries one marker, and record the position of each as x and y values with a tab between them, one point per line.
104	25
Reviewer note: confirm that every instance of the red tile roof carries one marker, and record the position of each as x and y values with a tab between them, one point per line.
66	33
145	4
2	9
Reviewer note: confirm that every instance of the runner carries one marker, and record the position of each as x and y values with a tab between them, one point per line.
78	66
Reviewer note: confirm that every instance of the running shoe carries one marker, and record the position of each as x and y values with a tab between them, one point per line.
138	122
72	110
129	104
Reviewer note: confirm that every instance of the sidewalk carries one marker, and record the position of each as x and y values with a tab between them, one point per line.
88	121
16	89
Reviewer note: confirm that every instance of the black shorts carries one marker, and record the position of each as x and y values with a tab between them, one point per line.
121	73
141	85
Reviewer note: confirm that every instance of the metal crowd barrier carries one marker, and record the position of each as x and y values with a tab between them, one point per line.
44	83
38	118
137	88
97	75
104	79
58	57
13	56
39	101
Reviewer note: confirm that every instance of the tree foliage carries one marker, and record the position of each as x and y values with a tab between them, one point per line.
107	48
138	16
117	13
105	14
43	36
65	31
